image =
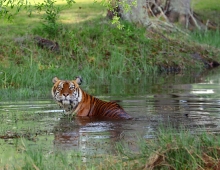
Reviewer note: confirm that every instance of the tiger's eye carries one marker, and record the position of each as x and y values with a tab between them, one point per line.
71	87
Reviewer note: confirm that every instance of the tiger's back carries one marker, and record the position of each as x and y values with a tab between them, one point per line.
73	99
96	107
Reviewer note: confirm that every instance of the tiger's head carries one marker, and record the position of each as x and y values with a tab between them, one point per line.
67	93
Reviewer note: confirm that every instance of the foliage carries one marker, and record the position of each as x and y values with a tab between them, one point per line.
175	150
50	17
6	5
114	5
50	10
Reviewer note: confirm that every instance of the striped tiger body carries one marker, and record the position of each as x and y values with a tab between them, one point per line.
74	100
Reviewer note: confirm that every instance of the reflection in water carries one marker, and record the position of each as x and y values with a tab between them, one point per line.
90	136
187	112
178	101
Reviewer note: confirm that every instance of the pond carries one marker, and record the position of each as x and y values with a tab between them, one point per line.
190	101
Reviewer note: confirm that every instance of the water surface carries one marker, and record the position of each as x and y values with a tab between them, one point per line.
182	101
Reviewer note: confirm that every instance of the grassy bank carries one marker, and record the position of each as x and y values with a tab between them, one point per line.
208	10
171	149
92	47
177	150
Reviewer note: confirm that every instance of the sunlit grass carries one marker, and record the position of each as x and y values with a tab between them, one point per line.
204	4
208	10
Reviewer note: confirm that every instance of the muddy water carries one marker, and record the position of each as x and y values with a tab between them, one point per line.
190	101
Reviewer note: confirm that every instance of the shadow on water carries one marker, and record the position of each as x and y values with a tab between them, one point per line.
182	101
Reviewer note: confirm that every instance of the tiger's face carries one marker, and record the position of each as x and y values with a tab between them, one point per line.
67	93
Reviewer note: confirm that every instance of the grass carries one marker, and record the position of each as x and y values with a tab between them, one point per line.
204	5
91	47
207	9
171	149
208	37
88	52
176	150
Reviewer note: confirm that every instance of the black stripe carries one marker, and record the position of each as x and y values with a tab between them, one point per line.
77	92
90	113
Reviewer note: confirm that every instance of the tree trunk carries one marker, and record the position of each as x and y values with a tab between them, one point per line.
171	10
137	13
180	11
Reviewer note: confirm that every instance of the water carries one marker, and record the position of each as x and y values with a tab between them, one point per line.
181	101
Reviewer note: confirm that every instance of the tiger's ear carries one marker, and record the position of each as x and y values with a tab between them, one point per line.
55	79
79	80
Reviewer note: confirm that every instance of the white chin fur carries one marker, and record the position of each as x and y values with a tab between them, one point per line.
66	102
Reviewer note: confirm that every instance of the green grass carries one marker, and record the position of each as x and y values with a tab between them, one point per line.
174	149
91	47
170	149
207	5
210	37
208	10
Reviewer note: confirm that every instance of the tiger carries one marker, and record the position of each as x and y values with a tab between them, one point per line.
75	101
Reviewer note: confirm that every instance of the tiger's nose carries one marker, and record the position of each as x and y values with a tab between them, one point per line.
65	94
